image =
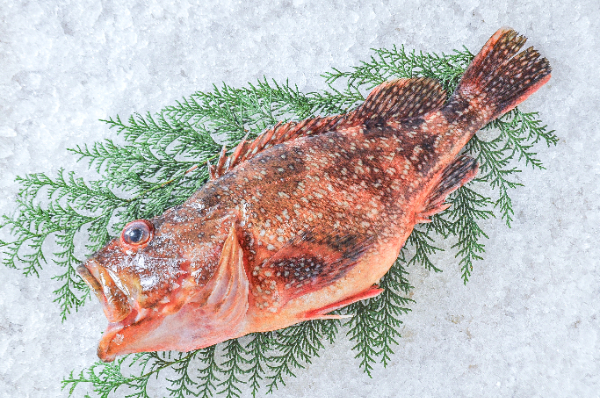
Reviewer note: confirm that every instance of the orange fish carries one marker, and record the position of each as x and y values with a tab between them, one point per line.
306	218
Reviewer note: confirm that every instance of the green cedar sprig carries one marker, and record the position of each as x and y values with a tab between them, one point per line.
160	161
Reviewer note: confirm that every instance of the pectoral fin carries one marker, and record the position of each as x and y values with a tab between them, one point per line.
230	285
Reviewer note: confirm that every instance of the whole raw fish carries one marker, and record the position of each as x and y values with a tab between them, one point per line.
306	218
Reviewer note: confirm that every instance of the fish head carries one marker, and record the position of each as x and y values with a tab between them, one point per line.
155	282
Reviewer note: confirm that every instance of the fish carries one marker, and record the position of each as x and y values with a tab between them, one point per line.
306	218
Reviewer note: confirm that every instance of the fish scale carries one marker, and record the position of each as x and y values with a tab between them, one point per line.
307	217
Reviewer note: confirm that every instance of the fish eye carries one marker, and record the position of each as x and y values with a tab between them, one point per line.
137	233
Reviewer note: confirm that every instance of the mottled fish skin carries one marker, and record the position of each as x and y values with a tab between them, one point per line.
306	218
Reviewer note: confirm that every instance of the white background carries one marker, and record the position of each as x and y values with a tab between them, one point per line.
527	323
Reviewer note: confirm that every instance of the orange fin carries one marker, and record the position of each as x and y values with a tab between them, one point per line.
321	313
282	132
498	78
457	174
229	288
393	100
401	99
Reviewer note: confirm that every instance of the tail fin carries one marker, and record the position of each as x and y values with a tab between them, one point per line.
499	77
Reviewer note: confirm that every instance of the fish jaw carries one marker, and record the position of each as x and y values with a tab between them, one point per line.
120	332
131	327
194	326
115	302
128	322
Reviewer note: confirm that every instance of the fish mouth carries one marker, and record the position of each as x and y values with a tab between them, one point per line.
115	301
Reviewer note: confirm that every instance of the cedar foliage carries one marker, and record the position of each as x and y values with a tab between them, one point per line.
152	169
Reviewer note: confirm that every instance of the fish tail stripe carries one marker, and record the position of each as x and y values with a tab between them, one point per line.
499	78
499	49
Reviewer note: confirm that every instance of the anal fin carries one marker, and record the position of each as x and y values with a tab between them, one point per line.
457	174
322	313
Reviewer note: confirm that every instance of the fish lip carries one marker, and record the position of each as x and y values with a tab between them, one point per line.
115	301
89	279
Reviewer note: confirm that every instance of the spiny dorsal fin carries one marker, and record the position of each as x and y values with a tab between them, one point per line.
401	99
282	132
396	99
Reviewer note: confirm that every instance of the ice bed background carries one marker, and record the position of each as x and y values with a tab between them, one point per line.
525	325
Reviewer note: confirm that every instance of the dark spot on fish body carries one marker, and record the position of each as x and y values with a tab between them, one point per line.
337	243
426	155
427	142
378	130
279	163
374	124
299	268
412	123
297	272
455	108
208	195
344	244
